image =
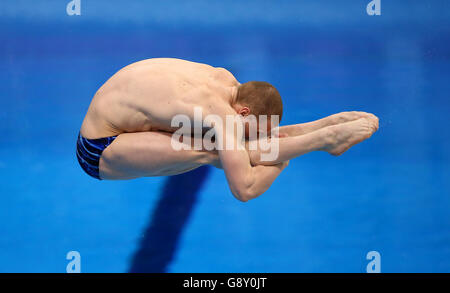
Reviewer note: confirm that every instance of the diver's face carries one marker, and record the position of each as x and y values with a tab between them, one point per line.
263	128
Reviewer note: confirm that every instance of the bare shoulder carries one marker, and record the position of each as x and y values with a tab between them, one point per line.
225	75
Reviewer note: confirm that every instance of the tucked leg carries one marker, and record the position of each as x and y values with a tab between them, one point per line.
304	128
334	139
145	154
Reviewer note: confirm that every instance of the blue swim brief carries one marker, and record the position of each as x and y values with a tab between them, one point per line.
89	152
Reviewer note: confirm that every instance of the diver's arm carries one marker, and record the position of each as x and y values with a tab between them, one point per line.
245	181
248	182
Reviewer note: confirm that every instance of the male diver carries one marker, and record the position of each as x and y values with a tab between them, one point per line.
128	130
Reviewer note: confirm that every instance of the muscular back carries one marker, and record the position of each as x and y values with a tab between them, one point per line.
144	96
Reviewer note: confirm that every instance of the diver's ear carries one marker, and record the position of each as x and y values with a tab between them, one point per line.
244	111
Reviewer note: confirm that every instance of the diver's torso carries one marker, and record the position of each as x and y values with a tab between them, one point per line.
146	95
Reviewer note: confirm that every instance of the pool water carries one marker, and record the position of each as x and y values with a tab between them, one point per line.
390	194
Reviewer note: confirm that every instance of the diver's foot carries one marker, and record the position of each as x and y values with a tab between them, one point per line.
343	136
344	117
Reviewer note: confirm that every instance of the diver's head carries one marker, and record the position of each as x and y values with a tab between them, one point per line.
256	98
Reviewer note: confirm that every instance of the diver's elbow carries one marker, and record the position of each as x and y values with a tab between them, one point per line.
241	195
246	190
246	195
242	199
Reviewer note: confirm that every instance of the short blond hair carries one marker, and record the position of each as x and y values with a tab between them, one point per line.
261	98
